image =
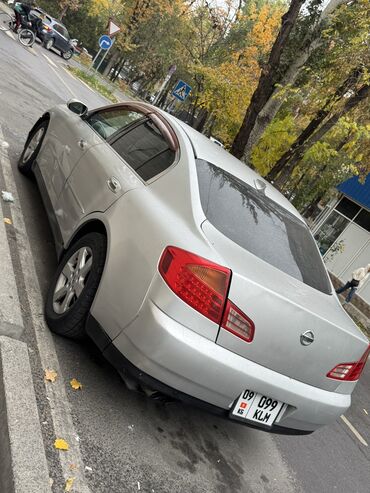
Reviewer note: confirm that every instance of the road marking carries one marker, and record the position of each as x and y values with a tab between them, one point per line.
56	393
49	60
8	33
63	82
354	431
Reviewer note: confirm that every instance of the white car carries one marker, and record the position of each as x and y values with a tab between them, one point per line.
193	275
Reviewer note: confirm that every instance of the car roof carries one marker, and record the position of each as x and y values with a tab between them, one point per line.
205	149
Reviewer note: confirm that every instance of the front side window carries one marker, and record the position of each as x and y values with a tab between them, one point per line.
109	121
145	149
260	225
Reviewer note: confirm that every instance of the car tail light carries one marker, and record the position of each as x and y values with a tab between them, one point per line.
350	372
201	283
204	285
237	322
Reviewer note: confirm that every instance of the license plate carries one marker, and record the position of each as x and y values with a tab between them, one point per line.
259	408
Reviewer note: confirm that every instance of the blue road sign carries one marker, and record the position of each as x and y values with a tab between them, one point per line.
181	91
105	42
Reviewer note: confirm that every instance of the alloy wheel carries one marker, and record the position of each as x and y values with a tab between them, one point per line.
33	143
72	280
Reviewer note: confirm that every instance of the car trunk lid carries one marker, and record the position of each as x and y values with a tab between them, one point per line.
283	309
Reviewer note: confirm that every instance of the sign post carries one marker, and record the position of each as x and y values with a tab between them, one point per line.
106	42
181	91
106	51
171	71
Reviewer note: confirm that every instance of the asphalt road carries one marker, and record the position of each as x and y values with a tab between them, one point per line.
127	441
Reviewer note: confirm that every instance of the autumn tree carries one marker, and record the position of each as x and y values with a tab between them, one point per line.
298	37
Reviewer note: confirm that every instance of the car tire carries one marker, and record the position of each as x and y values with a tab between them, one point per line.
67	55
32	147
71	294
48	44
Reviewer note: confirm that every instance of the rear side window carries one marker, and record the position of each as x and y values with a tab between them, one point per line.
260	225
145	149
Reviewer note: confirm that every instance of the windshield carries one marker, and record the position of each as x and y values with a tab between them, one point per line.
260	225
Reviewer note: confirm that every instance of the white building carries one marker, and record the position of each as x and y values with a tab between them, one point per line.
343	233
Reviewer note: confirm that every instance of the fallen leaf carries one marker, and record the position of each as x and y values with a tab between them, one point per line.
50	375
75	384
69	484
61	444
72	466
7	220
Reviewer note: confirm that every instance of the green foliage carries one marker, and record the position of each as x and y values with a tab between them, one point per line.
277	138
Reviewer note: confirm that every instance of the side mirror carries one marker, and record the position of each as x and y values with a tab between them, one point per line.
77	107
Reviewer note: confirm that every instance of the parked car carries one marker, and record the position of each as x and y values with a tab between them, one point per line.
193	275
54	35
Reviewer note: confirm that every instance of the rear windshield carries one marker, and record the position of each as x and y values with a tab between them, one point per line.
260	225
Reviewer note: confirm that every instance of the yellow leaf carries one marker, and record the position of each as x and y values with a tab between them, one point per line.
7	220
75	384
69	484
50	375
61	444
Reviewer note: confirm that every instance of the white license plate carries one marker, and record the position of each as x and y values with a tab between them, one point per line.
252	406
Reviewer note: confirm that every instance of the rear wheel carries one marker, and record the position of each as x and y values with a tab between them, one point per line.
32	147
74	286
26	37
6	21
48	44
67	55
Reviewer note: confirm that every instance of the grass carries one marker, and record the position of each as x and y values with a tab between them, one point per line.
94	83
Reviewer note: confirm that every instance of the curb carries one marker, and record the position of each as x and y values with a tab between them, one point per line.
23	464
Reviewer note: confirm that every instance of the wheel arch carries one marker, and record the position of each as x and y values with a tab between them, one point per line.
93	225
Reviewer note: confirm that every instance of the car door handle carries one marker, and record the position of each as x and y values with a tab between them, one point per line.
82	143
114	184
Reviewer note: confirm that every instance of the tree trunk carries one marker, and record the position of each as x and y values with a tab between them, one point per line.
353	101
269	77
265	108
201	120
112	61
314	124
63	12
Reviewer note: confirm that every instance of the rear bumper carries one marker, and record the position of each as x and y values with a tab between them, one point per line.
180	362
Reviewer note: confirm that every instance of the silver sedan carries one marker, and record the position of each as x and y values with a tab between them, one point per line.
193	275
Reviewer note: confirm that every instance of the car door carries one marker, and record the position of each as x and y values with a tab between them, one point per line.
61	37
127	160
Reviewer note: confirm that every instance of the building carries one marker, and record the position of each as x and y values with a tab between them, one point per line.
342	232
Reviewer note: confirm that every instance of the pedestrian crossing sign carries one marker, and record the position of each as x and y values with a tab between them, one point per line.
181	91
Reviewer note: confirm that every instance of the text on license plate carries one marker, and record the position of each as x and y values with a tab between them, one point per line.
257	407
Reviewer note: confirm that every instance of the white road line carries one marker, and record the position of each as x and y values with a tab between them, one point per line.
49	60
63	81
8	33
56	392
354	431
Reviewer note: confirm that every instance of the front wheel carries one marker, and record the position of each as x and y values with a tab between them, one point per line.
74	286
67	55
26	37
32	147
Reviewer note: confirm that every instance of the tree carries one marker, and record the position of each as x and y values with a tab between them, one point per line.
297	149
66	5
281	72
